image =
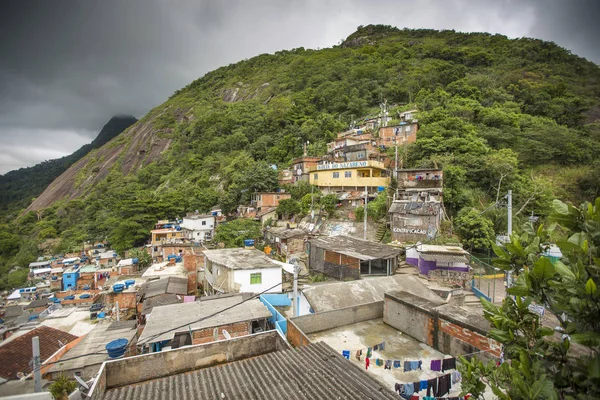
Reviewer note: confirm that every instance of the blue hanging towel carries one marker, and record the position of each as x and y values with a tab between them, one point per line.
407	366
408	390
423	385
381	346
346	354
397	364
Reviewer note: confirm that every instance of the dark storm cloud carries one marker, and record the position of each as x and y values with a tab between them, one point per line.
67	66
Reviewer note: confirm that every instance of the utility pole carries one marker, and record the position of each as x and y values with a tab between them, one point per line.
396	162
312	203
37	373
365	214
117	308
295	303
509	199
509	229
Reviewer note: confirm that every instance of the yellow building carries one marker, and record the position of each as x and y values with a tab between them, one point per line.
165	235
355	175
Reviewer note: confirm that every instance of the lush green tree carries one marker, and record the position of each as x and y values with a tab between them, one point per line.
233	233
546	363
288	208
475	229
328	203
144	258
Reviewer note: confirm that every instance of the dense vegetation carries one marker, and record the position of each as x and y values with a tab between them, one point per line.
548	360
18	187
495	114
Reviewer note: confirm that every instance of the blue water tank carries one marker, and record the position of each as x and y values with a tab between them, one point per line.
32	317
101	315
380	188
171	256
85	296
118	288
129	282
117	348
86	287
69	297
249	242
56	300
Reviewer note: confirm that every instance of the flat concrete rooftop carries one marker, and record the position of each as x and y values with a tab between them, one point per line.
398	346
240	258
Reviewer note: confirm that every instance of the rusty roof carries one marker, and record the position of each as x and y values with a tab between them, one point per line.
17	354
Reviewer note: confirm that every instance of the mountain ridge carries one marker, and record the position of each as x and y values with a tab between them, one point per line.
495	113
19	186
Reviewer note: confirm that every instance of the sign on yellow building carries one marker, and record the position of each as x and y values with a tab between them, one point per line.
353	175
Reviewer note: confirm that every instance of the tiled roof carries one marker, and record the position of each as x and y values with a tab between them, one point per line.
315	371
17	354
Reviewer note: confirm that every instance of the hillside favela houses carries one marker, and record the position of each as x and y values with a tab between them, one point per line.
202	308
416	209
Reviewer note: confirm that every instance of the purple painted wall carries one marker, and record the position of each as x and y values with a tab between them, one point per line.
426	266
412	261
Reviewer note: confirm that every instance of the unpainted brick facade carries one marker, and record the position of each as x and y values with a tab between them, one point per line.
234	330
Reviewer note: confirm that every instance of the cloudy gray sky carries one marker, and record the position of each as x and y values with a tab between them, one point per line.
67	66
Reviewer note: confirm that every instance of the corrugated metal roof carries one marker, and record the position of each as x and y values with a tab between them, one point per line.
160	300
315	371
170	316
361	249
172	284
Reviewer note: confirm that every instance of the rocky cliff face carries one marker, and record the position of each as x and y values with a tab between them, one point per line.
130	151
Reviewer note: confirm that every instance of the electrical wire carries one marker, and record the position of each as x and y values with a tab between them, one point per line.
169	330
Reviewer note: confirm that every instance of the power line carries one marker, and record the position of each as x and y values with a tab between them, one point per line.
169	330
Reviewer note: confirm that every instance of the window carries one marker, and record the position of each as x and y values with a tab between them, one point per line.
203	222
407	129
360	156
336	174
348	174
316	176
256	278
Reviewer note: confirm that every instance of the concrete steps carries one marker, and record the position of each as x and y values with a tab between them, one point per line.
471	299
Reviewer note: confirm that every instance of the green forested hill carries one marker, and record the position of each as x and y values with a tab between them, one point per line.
19	186
521	113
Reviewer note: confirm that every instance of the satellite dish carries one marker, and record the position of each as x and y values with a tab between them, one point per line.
81	382
226	334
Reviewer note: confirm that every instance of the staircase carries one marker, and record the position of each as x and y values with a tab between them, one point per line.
471	299
380	233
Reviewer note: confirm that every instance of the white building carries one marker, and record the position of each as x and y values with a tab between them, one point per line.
39	265
198	227
240	270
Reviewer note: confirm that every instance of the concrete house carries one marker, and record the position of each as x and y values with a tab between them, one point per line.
301	166
344	257
446	263
268	199
201	322
198	227
286	241
240	270
416	211
108	258
39	265
345	176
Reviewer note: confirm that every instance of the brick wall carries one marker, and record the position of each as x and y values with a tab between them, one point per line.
125	299
340	266
440	327
77	301
189	261
456	339
192	283
295	336
234	330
